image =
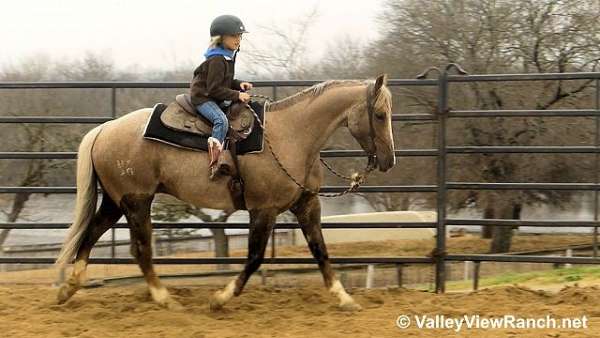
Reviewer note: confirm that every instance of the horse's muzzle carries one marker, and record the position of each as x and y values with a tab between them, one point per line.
385	160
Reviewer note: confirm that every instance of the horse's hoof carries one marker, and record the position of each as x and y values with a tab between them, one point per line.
350	307
65	292
215	303
173	305
162	297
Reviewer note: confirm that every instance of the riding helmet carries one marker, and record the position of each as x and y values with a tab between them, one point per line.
227	25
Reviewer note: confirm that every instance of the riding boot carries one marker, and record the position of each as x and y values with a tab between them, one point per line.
214	150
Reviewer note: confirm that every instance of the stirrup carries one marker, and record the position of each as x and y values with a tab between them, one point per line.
225	164
213	173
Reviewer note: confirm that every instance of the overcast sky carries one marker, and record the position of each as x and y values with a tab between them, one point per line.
160	34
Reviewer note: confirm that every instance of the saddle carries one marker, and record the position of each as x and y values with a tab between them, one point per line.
181	115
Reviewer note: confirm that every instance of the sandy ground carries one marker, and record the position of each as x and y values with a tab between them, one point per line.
294	307
264	311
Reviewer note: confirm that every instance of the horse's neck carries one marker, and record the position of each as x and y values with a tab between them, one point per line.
304	127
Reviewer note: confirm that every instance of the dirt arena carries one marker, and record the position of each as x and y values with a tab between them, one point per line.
292	307
262	311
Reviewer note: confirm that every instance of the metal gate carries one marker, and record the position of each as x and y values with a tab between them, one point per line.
440	117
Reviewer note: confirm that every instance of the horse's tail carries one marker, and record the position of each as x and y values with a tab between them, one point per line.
87	197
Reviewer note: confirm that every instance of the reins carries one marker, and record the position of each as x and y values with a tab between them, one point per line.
356	179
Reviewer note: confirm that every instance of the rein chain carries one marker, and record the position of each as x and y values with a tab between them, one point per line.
356	179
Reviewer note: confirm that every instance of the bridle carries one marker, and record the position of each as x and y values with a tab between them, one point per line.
356	179
371	112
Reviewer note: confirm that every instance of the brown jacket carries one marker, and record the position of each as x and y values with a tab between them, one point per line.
213	80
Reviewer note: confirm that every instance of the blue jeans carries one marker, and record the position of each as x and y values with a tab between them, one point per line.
214	114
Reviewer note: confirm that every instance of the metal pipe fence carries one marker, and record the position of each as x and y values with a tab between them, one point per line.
440	116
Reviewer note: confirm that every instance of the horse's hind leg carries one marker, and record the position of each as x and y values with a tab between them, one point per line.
137	211
308	212
106	216
261	225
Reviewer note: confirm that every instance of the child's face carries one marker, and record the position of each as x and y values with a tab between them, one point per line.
232	41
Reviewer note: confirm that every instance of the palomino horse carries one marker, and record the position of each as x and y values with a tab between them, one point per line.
131	170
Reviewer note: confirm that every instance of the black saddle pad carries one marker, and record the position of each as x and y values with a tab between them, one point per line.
156	131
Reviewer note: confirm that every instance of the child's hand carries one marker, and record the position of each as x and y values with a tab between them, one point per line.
246	85
244	97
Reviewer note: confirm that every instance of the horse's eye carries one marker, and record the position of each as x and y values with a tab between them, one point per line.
380	115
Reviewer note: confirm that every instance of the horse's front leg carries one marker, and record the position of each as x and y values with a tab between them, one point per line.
308	212
261	225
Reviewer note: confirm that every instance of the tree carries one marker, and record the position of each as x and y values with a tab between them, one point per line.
493	36
29	138
284	57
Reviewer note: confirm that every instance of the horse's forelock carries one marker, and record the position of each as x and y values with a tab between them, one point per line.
384	97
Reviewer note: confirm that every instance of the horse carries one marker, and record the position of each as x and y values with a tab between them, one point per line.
131	170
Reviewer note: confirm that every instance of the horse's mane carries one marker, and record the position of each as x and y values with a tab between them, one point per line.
312	92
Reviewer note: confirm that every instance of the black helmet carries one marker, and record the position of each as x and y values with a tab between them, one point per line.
227	25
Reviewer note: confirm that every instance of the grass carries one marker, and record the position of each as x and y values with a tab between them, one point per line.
549	277
559	276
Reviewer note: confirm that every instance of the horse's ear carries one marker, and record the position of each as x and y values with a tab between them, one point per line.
380	82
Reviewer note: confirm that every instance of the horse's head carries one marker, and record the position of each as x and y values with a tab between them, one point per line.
371	123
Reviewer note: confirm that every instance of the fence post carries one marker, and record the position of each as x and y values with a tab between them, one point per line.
467	265
113	113
440	248
439	253
399	273
370	276
569	253
344	279
596	168
476	267
263	276
273	244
